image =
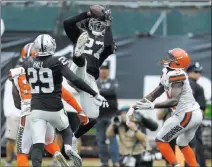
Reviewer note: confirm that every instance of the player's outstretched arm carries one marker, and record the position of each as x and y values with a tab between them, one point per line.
71	28
155	93
176	91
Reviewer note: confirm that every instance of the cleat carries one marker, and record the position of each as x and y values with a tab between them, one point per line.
82	40
60	158
76	159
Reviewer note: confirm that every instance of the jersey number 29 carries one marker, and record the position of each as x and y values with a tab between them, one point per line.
38	77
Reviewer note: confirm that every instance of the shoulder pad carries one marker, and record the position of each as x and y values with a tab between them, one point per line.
176	76
16	72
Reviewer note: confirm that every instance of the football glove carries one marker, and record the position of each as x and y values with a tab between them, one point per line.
145	104
108	15
101	101
129	115
83	118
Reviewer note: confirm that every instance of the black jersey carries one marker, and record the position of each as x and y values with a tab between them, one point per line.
92	52
45	76
97	49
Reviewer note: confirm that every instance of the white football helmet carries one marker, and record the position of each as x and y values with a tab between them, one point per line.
44	45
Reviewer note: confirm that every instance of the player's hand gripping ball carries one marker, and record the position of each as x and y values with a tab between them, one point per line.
97	12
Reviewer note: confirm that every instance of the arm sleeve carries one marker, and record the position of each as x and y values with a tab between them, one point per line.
71	28
69	98
109	45
78	82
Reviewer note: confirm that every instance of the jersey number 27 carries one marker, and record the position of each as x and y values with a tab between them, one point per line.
37	79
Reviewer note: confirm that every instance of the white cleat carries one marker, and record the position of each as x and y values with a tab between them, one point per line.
77	161
82	40
177	165
61	159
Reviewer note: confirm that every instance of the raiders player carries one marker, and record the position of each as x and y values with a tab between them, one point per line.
91	34
187	114
44	74
22	91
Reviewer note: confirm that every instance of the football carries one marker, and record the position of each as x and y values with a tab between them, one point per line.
97	11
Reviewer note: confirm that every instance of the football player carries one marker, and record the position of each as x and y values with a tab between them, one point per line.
91	34
44	72
187	115
22	91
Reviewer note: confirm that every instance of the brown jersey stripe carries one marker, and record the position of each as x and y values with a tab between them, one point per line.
186	119
177	78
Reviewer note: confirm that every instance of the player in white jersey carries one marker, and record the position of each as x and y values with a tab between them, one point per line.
187	115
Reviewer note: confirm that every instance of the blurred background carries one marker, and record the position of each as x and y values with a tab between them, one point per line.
143	30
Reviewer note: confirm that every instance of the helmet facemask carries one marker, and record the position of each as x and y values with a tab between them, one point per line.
168	60
97	27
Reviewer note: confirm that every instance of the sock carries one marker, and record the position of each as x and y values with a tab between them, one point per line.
67	136
189	156
52	148
22	160
167	152
85	128
74	138
36	156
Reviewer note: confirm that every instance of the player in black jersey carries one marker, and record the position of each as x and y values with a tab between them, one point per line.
44	73
93	41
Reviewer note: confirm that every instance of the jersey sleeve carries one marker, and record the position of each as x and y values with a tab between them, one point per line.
71	28
176	76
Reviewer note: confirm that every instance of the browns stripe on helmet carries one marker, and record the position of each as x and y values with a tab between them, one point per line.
28	50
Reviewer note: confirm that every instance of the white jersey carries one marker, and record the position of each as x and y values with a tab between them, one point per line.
187	102
19	79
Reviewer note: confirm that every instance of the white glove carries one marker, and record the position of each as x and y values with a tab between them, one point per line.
129	115
101	101
147	105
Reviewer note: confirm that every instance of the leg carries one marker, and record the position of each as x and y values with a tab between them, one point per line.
24	142
61	123
113	146
101	138
170	130
52	147
88	106
199	147
38	130
12	124
184	139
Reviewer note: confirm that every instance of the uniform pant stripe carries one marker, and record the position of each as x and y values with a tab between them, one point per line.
186	119
23	120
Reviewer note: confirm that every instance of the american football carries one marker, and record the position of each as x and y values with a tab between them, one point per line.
97	11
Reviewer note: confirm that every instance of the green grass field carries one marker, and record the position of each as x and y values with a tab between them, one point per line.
94	162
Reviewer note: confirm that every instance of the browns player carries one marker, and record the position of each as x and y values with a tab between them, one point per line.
91	34
22	91
187	115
